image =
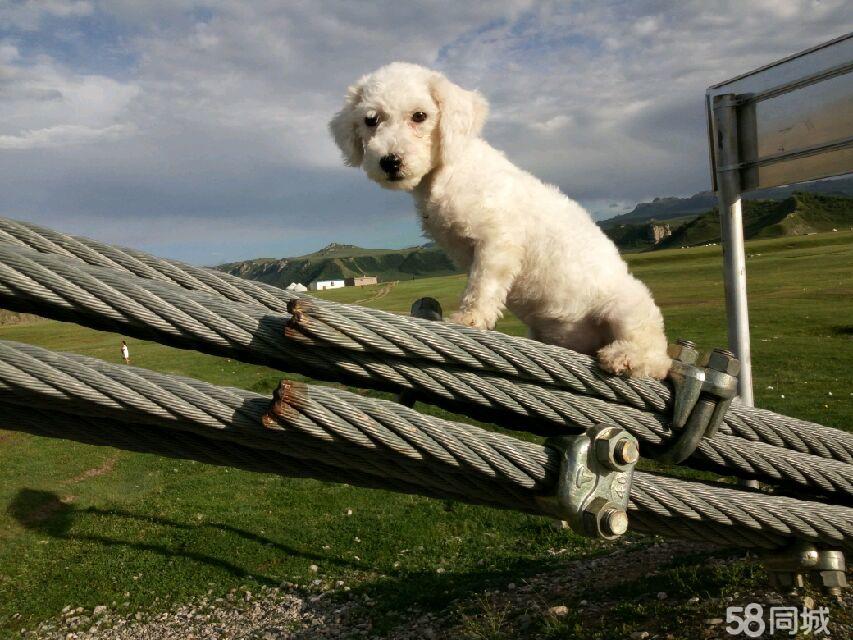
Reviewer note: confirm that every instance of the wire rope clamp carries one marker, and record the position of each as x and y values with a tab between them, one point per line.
596	470
785	568
703	394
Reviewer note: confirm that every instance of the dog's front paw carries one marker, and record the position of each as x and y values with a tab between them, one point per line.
470	318
638	361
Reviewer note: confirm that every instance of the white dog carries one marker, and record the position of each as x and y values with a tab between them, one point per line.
525	245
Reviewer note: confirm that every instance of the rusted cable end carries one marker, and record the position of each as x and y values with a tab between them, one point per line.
299	310
284	400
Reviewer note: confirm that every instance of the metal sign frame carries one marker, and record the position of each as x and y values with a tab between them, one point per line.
787	122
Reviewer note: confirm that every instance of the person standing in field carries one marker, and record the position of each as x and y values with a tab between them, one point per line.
125	354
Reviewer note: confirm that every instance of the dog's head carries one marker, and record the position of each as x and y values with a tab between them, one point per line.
403	120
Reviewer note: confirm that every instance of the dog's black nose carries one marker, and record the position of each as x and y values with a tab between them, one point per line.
391	163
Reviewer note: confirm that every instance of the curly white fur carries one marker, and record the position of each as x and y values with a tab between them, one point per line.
525	245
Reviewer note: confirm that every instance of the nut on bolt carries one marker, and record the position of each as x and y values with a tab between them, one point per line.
832	570
627	451
604	519
683	351
615	448
725	361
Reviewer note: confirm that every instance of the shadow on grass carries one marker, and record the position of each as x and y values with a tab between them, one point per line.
454	593
47	513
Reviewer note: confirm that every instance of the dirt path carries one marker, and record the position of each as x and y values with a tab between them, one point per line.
106	467
387	288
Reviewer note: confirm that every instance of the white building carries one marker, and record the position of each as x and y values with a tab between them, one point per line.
296	286
322	285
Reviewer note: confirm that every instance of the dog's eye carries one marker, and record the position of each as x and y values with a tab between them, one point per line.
371	121
419	116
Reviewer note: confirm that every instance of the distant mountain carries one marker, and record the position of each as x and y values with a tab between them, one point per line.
661	209
795	214
641	236
799	214
339	261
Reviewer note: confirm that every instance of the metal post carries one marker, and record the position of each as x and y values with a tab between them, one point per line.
731	220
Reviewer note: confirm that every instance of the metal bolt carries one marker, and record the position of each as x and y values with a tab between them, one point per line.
684	351
833	582
627	451
724	361
833	592
604	519
614	521
832	571
614	448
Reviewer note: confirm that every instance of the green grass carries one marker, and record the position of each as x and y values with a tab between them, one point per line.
84	526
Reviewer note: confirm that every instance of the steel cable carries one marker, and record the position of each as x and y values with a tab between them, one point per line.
107	299
363	329
376	439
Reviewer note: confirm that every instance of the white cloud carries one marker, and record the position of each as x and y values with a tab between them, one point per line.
29	13
222	110
62	135
647	25
551	124
43	104
631	77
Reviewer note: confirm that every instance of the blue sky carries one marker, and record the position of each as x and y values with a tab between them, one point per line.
197	130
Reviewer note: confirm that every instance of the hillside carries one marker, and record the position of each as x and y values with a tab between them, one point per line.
797	214
661	209
631	238
337	261
800	214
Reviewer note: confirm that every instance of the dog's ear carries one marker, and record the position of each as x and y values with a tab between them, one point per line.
462	114
344	128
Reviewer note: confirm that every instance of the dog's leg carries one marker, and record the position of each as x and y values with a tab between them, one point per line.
587	335
493	270
639	346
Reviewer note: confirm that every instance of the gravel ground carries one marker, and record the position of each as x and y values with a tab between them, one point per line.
533	608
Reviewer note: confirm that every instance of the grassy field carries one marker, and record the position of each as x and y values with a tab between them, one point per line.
87	526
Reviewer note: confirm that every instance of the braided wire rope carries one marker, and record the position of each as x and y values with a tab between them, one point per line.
102	298
362	329
383	331
184	445
380	441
